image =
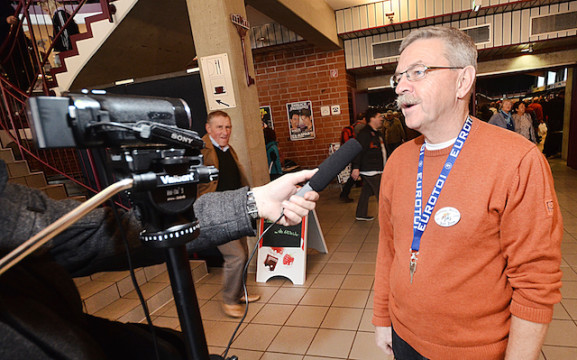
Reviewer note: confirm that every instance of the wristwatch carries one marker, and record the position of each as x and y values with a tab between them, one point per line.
251	208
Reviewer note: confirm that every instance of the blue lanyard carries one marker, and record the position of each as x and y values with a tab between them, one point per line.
422	216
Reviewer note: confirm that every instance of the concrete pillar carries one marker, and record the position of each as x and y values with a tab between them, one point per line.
569	151
214	33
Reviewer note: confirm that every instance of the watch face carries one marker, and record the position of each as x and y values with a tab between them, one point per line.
251	205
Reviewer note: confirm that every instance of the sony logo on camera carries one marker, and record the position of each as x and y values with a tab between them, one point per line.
181	138
176	179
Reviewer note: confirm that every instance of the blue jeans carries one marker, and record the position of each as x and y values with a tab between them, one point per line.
404	351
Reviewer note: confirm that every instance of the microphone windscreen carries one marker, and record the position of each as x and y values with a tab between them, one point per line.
335	163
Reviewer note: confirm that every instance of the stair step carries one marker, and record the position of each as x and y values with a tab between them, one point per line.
18	180
56	192
80	198
18	168
111	295
36	180
7	155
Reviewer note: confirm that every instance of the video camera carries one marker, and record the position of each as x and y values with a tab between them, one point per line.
147	139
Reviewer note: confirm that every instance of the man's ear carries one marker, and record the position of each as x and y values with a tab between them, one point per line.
466	81
206	127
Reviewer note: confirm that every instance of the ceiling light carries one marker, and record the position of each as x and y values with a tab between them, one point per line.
124	82
529	49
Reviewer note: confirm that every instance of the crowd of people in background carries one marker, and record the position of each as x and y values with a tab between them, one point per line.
539	119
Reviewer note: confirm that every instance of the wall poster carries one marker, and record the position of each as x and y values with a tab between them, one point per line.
266	116
300	120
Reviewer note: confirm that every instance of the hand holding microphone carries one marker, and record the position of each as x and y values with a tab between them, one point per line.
277	195
272	198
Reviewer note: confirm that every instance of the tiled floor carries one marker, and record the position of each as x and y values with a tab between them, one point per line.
329	316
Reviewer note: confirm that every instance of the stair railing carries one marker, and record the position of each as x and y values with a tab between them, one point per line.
70	163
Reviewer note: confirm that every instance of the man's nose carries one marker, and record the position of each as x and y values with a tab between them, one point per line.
403	85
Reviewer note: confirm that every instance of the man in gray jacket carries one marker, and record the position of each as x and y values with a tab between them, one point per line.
41	315
502	118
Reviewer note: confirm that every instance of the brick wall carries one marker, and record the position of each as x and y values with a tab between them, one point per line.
285	75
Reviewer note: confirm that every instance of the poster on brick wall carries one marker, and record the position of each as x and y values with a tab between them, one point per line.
300	120
266	116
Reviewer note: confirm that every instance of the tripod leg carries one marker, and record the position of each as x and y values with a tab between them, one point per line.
186	303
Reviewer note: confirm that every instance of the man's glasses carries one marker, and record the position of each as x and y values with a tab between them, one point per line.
417	72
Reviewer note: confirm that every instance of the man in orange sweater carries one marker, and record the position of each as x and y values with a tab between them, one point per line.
468	265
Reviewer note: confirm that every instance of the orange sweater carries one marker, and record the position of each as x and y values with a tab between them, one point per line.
503	256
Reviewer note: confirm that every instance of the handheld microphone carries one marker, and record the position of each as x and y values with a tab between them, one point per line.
331	167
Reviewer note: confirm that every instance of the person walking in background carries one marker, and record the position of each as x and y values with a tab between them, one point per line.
59	19
536	107
368	165
220	154
462	272
393	132
272	153
502	118
351	132
554	139
522	122
16	49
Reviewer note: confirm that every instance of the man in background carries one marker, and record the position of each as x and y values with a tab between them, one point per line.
368	165
59	19
503	117
220	154
351	132
393	131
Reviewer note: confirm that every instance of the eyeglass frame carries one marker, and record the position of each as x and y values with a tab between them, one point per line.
427	69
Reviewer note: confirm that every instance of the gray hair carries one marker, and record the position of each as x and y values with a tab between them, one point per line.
460	49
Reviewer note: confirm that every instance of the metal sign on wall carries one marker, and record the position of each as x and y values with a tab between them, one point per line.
217	82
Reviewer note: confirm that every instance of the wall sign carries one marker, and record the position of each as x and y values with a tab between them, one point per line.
217	82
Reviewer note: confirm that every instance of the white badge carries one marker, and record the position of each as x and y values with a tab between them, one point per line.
447	216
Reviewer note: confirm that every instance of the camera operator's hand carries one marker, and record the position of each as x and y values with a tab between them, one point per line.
277	195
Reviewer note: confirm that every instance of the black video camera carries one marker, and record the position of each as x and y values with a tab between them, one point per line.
147	139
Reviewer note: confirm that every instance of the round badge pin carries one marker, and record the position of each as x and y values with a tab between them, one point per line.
447	216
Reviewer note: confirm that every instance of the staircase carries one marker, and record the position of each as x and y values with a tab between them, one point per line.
146	38
86	44
19	173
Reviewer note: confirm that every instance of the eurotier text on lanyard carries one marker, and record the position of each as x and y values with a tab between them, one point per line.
422	216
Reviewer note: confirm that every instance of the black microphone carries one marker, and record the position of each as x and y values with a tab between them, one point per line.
331	167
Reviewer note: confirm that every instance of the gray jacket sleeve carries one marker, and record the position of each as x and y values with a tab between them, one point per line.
94	243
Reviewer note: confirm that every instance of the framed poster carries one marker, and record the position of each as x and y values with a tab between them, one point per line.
300	120
266	116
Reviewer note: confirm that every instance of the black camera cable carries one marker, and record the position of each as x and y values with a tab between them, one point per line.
244	275
133	278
